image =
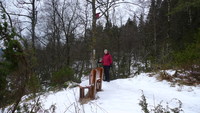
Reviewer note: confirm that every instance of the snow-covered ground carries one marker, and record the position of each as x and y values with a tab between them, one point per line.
123	96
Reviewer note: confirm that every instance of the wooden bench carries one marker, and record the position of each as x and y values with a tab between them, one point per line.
91	87
94	84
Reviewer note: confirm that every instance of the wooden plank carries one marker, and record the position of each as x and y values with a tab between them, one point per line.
93	84
99	78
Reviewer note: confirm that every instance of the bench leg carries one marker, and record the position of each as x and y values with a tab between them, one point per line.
99	85
92	92
82	95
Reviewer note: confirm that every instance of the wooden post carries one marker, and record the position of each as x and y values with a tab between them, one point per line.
93	43
93	61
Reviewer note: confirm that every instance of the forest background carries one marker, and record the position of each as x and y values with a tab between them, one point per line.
55	43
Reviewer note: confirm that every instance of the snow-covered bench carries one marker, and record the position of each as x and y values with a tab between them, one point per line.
94	84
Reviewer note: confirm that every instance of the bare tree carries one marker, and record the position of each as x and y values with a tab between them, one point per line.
31	13
104	6
96	4
68	14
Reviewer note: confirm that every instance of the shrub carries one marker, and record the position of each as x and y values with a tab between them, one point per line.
190	55
143	103
33	84
164	76
62	75
160	108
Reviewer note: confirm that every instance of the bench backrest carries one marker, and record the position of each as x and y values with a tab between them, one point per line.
93	84
99	73
92	78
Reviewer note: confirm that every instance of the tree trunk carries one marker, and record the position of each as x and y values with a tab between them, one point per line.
33	23
93	44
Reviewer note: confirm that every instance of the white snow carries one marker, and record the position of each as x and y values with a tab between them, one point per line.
171	72
123	96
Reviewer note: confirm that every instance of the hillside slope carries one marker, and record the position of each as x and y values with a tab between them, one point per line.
123	96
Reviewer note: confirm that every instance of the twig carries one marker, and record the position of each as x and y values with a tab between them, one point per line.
4	10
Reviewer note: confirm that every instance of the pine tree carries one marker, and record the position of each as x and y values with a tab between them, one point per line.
11	53
15	69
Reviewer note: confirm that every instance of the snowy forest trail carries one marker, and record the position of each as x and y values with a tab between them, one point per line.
123	96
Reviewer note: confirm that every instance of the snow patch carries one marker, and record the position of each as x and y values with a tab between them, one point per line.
123	96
